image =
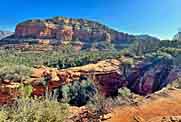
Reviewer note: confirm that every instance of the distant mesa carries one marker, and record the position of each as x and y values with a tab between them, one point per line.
4	34
177	36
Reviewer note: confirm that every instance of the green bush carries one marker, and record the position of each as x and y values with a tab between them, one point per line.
34	110
54	58
16	73
124	92
78	93
26	91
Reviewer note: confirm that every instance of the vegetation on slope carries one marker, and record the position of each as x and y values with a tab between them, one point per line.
34	110
16	66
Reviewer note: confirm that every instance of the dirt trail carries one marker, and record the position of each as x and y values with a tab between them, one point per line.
160	105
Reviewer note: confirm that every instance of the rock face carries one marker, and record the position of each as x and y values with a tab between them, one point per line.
108	76
67	29
80	33
35	29
149	77
105	75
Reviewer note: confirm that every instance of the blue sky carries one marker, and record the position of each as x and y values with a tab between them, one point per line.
160	18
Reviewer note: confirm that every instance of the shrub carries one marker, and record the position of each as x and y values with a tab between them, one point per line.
59	58
100	105
26	91
78	93
124	92
34	110
15	73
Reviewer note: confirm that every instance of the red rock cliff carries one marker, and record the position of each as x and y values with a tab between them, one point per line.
66	29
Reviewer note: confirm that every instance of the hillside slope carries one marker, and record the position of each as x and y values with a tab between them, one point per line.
159	106
4	34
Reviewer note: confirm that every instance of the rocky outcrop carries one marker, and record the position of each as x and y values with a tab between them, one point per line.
149	77
67	29
166	119
108	75
105	75
35	29
80	33
84	114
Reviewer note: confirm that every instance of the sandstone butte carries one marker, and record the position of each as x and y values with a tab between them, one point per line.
68	29
80	33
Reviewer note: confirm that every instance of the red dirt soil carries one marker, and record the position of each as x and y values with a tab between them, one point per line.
160	105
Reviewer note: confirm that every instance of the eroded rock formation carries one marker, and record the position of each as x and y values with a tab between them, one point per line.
108	76
152	76
67	29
